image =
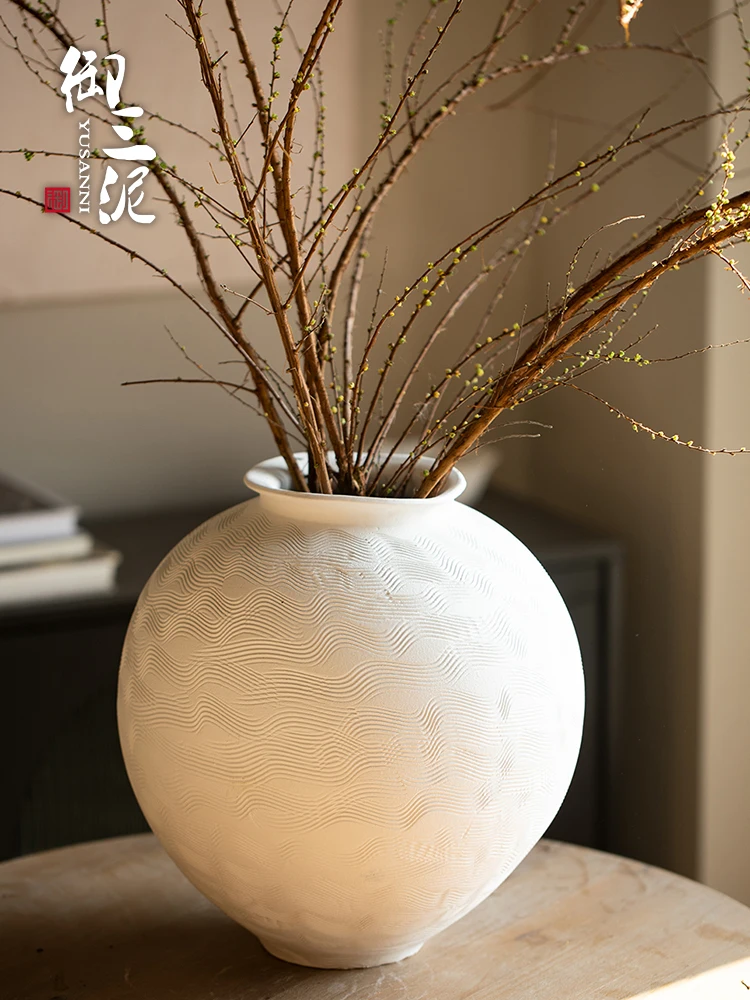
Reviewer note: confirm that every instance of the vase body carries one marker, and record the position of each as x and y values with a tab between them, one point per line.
347	720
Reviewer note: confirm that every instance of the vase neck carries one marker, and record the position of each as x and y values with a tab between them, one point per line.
272	480
342	511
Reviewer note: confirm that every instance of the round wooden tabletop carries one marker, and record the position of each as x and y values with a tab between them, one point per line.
115	920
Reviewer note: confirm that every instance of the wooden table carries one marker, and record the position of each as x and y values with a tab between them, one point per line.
115	920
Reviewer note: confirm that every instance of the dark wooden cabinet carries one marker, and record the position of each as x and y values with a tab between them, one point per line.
64	780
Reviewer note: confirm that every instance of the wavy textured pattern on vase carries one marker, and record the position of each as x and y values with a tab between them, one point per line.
347	738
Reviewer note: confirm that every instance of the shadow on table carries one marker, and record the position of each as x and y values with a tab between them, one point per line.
197	957
115	920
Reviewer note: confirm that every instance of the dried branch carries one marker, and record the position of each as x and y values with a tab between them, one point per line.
286	253
638	425
548	348
628	10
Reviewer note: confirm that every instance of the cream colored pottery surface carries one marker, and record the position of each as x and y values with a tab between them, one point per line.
348	721
115	920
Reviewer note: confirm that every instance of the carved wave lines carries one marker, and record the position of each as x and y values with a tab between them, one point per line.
254	681
349	731
298	636
256	770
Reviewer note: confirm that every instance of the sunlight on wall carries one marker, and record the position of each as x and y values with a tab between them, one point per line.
725	734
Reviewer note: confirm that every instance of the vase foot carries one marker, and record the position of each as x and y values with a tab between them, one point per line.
315	959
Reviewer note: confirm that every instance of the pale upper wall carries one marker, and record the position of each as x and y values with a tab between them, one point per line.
78	318
725	752
41	256
68	424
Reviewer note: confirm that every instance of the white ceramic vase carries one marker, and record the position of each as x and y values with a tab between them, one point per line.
348	719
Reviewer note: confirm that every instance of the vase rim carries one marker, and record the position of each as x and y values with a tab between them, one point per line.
273	477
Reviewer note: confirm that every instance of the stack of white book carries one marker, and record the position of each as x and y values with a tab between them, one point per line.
44	554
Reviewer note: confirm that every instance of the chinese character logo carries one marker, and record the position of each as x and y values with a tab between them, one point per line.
57	199
83	78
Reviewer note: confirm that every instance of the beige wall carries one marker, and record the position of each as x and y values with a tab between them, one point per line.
475	166
724	858
681	788
724	819
68	424
44	259
77	318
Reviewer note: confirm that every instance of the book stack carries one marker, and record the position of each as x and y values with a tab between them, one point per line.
44	554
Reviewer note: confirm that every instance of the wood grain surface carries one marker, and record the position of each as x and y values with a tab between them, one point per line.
115	920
